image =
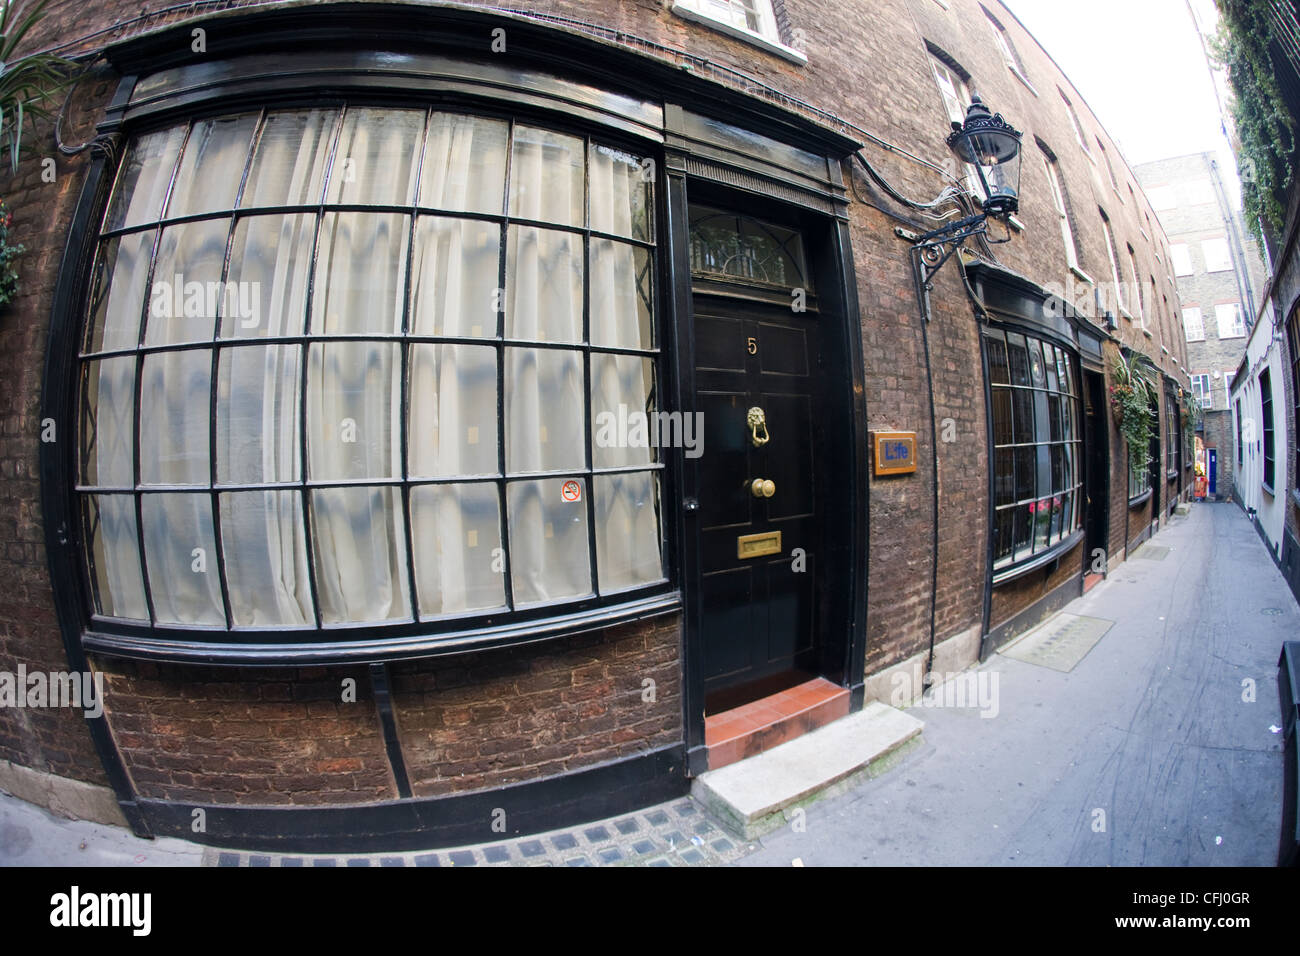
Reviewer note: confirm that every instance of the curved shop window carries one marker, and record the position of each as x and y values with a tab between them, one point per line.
1037	448
341	367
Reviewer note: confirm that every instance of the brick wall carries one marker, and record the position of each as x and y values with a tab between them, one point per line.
223	736
519	714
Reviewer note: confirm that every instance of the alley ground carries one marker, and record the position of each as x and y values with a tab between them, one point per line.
1149	752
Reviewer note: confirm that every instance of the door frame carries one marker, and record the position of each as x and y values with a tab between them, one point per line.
826	234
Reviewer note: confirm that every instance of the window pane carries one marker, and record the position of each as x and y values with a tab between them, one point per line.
146	174
1022	401
544	411
359	550
1004	476
187	291
627	530
998	371
621	193
1053	419
1026	473
288	167
257	414
360	274
181	553
107	424
115	557
353	397
549	556
464	164
543	285
1019	359
1003	540
1050	361
454	286
375	161
622	295
266	559
456	537
1002	431
270	260
1036	374
625	427
175	400
212	165
119	284
453	411
1042	522
546	177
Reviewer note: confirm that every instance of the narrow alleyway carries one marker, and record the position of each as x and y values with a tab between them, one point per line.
1150	729
1144	754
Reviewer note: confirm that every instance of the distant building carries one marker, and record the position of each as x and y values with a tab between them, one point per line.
1221	276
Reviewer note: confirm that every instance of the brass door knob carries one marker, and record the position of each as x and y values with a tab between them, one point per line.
762	487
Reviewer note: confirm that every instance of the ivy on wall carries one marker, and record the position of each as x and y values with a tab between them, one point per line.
1132	396
1265	127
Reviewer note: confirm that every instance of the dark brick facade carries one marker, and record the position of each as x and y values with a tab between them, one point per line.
280	737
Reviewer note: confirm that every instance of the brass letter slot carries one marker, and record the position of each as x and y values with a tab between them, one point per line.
757	545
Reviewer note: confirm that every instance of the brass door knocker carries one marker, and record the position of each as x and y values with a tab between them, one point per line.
757	420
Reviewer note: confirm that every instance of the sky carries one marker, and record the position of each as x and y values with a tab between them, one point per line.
1140	66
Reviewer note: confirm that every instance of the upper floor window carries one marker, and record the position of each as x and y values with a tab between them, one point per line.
1217	257
1193	325
1231	324
1181	255
1202	389
1009	54
1060	202
956	100
1076	124
1113	253
1110	168
753	20
346	366
1198	192
1138	297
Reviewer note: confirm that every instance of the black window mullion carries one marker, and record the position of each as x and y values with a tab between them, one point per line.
586	365
305	358
404	416
500	319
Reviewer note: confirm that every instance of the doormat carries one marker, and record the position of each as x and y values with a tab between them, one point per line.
1059	643
1152	552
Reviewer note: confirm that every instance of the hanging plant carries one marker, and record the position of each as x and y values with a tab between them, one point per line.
1265	126
1132	394
8	253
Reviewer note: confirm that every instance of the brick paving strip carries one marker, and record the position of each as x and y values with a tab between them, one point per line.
679	833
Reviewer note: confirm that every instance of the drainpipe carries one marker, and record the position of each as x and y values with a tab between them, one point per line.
923	298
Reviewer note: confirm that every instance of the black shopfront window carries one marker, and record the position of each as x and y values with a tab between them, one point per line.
344	366
1293	340
1037	446
1266	416
1173	436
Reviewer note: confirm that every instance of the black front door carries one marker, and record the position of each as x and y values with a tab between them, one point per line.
761	495
1097	481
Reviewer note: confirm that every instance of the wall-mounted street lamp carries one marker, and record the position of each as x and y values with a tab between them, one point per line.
992	146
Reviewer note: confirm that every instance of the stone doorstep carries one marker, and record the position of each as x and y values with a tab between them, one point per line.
751	797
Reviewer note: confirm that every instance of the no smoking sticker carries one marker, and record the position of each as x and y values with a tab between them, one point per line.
572	491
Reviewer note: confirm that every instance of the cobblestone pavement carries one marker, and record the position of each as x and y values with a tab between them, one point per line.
679	833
